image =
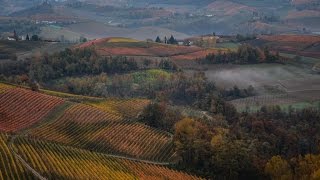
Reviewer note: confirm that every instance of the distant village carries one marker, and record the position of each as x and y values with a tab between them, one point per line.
14	36
207	41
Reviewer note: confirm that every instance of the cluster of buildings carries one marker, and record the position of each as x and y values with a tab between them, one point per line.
15	37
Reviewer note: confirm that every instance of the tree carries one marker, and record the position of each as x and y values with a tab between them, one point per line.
83	39
34	86
158	40
172	40
15	35
158	115
35	38
193	144
278	169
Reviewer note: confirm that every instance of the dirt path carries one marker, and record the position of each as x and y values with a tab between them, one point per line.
24	163
55	113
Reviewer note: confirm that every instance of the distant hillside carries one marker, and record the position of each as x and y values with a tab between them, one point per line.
134	48
98	30
303	45
44	8
10	6
228	8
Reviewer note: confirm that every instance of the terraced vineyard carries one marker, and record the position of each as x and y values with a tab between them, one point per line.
86	127
20	108
55	161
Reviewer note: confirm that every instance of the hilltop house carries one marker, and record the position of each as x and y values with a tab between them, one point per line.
11	36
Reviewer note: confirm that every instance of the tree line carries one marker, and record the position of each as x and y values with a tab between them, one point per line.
246	54
269	144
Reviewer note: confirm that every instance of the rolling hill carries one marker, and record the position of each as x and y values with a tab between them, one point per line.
302	45
49	146
132	48
99	30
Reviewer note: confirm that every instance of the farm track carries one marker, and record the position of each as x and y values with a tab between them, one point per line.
55	114
24	163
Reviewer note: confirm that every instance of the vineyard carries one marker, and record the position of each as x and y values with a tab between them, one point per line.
129	47
64	162
127	108
10	167
302	84
296	44
295	99
5	87
197	55
57	139
258	101
20	108
102	132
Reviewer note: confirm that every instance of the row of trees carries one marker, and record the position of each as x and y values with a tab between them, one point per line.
171	40
77	62
236	93
246	54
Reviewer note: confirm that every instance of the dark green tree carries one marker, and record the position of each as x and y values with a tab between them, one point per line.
172	40
35	38
158	40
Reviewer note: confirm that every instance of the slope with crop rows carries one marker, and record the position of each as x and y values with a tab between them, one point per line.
10	167
127	108
20	108
87	127
63	162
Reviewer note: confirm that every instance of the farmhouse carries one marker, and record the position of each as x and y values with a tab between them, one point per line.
11	38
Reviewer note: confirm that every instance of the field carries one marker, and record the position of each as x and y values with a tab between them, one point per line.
93	29
292	84
258	75
65	162
302	84
229	8
10	166
16	105
64	140
302	14
23	49
102	132
59	34
297	93
196	55
303	45
127	108
285	102
132	48
302	60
